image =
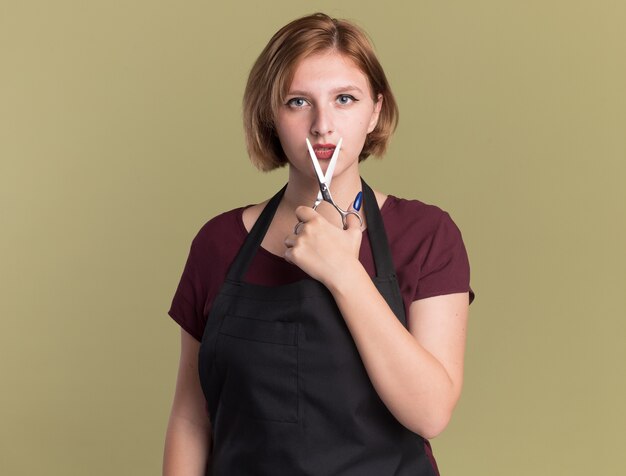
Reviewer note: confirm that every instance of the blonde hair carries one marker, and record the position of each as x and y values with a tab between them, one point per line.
273	71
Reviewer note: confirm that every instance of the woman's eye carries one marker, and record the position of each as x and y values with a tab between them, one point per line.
296	102
345	99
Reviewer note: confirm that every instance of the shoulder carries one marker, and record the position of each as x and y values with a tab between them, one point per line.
427	247
229	220
421	233
218	234
411	214
212	249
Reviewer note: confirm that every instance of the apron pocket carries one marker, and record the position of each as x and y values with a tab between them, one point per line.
259	362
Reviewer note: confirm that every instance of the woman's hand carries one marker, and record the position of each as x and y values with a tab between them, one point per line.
321	249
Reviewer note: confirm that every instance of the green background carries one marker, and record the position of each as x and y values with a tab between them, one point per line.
120	135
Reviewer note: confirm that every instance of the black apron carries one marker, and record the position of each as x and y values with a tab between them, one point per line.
286	389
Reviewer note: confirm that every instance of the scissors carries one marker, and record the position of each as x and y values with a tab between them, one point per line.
324	184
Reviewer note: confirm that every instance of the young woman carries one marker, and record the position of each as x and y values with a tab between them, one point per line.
329	351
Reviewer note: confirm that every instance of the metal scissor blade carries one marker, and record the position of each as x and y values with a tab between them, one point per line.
324	180
321	180
333	161
318	170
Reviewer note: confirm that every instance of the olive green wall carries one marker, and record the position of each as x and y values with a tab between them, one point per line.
120	136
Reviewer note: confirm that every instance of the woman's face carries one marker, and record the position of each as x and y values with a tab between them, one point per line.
329	98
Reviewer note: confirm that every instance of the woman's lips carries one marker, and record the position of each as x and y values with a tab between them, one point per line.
324	151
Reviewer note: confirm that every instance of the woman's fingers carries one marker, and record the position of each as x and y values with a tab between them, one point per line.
353	222
320	248
290	241
304	213
358	200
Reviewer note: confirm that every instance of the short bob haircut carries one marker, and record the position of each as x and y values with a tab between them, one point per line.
275	67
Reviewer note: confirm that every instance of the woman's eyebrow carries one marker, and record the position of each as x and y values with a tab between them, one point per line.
349	87
340	89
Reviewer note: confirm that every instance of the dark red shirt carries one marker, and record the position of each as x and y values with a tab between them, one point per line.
426	246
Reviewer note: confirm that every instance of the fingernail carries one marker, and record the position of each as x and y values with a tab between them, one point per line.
357	201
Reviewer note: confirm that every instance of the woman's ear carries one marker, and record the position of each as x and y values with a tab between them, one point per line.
375	113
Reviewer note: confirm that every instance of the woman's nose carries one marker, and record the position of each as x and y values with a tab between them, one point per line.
322	122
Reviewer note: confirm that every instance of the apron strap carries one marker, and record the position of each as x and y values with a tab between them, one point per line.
249	248
377	235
